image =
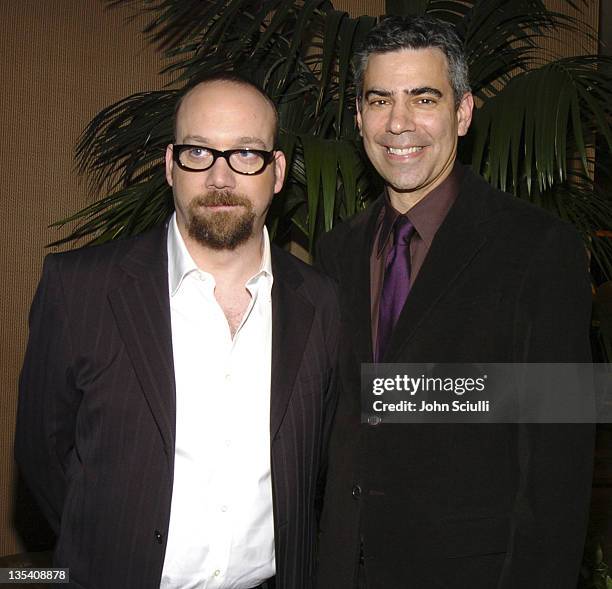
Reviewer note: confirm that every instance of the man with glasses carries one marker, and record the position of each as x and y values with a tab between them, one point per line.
177	389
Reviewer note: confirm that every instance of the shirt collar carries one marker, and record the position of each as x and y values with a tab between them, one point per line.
180	262
427	215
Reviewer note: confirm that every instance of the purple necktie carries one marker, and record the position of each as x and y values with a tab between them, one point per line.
396	283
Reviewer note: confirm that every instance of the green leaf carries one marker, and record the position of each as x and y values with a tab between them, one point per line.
351	36
287	143
279	19
329	181
313	162
302	23
330	37
348	164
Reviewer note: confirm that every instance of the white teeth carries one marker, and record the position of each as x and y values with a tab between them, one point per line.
406	151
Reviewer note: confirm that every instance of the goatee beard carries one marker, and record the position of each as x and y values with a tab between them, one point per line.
221	230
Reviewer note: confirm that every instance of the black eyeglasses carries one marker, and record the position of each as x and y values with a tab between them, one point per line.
196	158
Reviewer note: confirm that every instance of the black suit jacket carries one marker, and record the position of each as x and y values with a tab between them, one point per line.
96	415
457	505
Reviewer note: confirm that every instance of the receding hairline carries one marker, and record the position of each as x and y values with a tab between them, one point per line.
234	82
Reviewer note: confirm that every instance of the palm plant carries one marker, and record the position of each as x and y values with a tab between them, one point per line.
534	131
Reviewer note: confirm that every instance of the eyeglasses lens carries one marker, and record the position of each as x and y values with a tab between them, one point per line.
243	161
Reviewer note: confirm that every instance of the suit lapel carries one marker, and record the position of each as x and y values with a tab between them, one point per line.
292	318
141	306
455	245
356	265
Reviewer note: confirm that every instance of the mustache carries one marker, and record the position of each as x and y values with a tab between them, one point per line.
220	198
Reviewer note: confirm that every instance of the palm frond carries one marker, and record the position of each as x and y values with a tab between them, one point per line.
534	133
129	211
125	138
502	38
540	119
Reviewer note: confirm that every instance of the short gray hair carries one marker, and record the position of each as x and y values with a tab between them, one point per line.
395	33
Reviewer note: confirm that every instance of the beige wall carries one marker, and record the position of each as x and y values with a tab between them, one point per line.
62	61
357	7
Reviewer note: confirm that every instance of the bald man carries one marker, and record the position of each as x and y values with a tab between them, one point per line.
177	388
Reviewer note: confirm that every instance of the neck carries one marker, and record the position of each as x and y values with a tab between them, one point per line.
404	200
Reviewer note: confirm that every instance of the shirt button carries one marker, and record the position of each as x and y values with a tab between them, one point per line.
217	573
224	508
158	537
356	492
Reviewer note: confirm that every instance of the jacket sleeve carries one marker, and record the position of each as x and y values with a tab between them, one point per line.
550	514
330	399
48	399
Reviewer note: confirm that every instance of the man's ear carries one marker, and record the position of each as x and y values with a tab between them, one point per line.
358	116
169	164
464	114
280	166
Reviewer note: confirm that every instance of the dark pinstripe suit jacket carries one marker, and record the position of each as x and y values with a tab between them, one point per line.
96	415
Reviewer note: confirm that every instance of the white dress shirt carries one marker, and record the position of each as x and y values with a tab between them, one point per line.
221	533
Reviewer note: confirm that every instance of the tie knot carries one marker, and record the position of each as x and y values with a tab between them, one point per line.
403	230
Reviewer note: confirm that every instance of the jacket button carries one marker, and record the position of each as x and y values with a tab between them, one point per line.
158	537
356	492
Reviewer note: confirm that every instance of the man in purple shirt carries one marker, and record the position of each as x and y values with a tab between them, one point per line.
445	269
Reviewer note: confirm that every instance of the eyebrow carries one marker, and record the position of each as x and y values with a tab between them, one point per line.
240	141
425	90
199	138
412	92
252	140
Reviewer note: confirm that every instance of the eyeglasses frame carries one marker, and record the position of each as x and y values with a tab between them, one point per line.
267	156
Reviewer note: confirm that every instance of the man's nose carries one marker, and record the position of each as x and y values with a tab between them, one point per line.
401	119
220	175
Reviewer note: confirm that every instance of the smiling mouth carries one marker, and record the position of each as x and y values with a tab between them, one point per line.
404	150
